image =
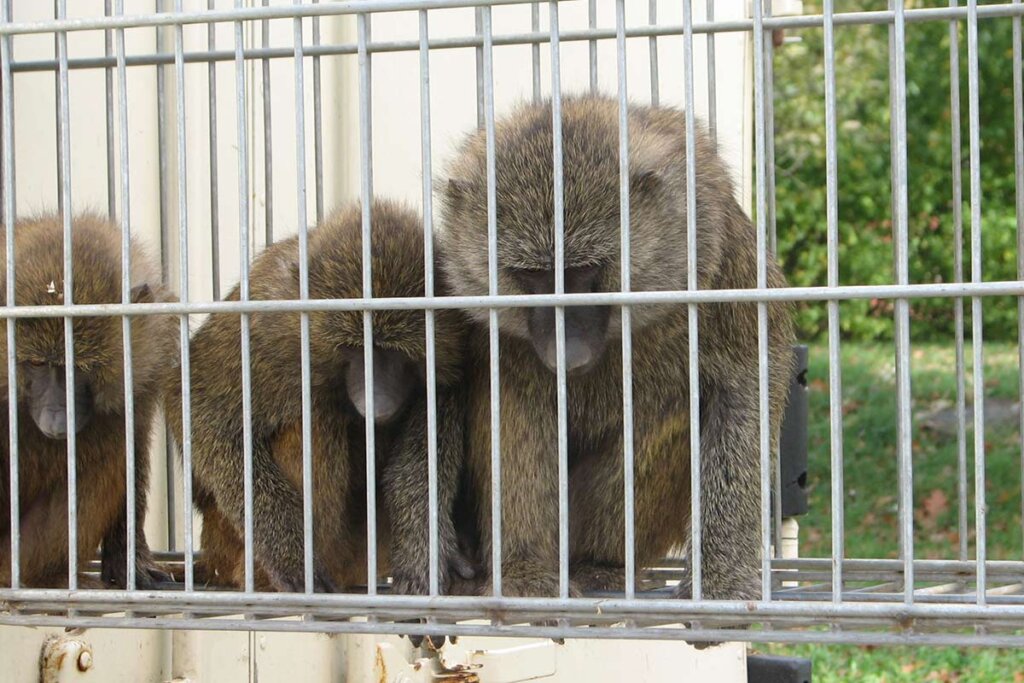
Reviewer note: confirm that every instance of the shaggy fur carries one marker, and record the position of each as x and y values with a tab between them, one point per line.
42	461
726	258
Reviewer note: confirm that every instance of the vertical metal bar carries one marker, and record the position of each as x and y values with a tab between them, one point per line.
769	171
64	117
318	125
762	308
108	86
243	295
535	50
59	127
126	289
211	78
835	369
958	276
492	313
592	44
1018	166
693	339
12	353
428	290
898	83
165	266
479	28
307	384
366	164
626	311
183	252
977	341
652	46
268	139
712	92
560	371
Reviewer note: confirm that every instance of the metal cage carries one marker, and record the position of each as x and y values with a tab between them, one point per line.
962	599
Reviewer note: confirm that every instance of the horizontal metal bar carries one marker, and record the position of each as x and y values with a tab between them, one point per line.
529	38
238	14
475	607
633	633
706	296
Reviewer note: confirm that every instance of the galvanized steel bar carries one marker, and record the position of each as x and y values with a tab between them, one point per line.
977	341
305	371
318	125
592	45
126	294
14	485
760	173
835	372
1018	167
897	83
183	292
560	369
355	6
958	276
108	92
211	82
693	339
492	313
841	293
535	50
241	128
628	467
366	193
268	134
426	166
652	47
712	91
64	200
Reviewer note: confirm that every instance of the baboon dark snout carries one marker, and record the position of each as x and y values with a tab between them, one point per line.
393	379
48	401
586	332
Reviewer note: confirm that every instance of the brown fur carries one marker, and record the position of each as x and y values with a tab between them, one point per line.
726	257
335	272
42	462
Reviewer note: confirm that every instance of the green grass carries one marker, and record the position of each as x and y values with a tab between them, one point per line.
870	483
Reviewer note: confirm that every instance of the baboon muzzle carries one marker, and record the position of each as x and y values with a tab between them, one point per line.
393	379
586	332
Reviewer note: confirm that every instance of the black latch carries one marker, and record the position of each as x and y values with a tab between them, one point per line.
793	440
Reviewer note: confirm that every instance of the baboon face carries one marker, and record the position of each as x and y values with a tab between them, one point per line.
395	376
46	389
586	327
591	224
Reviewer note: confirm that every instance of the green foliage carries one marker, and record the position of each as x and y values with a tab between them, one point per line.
863	150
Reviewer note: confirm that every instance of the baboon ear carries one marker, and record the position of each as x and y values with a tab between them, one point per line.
643	180
142	294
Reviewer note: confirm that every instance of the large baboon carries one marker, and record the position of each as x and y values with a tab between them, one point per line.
99	402
338	415
726	258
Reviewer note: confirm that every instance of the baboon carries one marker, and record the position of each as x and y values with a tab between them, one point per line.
338	415
726	258
99	403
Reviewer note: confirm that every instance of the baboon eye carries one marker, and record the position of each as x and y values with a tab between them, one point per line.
36	363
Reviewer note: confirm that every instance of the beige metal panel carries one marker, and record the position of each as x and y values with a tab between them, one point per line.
51	655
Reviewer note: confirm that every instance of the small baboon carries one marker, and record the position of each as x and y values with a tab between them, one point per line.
726	258
338	415
99	402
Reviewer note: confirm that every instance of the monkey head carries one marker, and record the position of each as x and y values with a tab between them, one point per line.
591	220
97	341
399	336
